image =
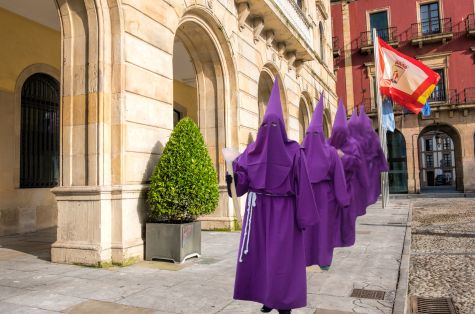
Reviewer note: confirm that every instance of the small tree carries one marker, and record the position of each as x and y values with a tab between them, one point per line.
184	183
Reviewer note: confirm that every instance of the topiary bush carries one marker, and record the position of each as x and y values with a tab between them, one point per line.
184	184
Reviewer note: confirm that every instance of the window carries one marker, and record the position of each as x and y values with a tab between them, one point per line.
300	4
447	143
429	145
379	20
429	161
177	116
430	19
446	160
39	146
322	41
439	91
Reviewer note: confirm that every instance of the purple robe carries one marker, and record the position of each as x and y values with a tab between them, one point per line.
374	154
280	205
362	189
353	165
329	186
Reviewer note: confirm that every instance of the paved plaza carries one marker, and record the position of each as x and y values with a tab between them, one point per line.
29	283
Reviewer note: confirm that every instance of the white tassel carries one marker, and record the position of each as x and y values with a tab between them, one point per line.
251	203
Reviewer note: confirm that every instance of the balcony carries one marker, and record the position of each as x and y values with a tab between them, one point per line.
431	31
469	95
386	34
336	47
438	96
470	25
439	101
282	22
369	105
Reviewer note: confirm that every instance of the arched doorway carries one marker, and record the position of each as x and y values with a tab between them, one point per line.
266	81
397	160
304	118
263	93
30	76
440	159
198	85
203	78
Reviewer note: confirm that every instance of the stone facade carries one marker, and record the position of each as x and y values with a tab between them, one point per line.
118	104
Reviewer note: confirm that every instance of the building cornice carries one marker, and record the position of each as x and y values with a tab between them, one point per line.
434	55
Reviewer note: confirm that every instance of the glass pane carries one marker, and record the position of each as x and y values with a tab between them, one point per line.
378	20
397	163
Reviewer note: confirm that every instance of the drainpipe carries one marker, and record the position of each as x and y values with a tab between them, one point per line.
414	162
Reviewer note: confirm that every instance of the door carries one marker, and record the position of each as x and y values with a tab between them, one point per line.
397	162
379	20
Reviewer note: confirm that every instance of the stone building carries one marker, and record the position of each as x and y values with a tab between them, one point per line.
90	91
435	153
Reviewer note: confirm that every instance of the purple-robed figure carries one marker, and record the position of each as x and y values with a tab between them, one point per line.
329	186
356	178
361	127
280	204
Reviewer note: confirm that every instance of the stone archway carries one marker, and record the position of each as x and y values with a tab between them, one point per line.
266	80
88	55
203	77
305	116
440	158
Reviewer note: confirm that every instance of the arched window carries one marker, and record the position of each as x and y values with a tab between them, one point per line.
322	41
303	119
39	147
300	4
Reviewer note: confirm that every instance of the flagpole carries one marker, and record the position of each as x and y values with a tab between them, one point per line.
382	132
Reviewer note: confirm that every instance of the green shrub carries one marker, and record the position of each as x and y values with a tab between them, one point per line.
184	184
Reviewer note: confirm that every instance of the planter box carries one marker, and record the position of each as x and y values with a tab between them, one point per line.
173	242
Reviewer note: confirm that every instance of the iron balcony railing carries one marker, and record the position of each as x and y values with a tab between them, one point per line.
453	97
438	96
368	104
469	94
470	23
386	34
431	27
335	47
335	43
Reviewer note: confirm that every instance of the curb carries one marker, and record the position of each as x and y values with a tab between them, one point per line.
401	301
432	195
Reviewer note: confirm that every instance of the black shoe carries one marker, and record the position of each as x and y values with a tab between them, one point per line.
285	311
265	309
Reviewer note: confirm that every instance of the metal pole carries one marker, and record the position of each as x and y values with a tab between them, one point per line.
382	132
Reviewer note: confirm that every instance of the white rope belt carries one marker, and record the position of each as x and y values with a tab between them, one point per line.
251	203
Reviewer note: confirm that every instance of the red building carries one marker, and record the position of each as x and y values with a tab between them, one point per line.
425	154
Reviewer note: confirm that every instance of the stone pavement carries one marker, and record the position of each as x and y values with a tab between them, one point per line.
29	283
443	251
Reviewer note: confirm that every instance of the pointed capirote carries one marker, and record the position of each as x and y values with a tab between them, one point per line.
274	105
340	117
316	125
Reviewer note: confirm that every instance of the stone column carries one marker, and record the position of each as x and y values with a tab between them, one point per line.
84	195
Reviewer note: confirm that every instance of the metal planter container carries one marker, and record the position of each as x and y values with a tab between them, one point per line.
173	242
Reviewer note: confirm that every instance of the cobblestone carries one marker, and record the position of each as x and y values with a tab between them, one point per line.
443	251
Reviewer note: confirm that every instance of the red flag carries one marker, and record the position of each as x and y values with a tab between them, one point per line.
406	80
